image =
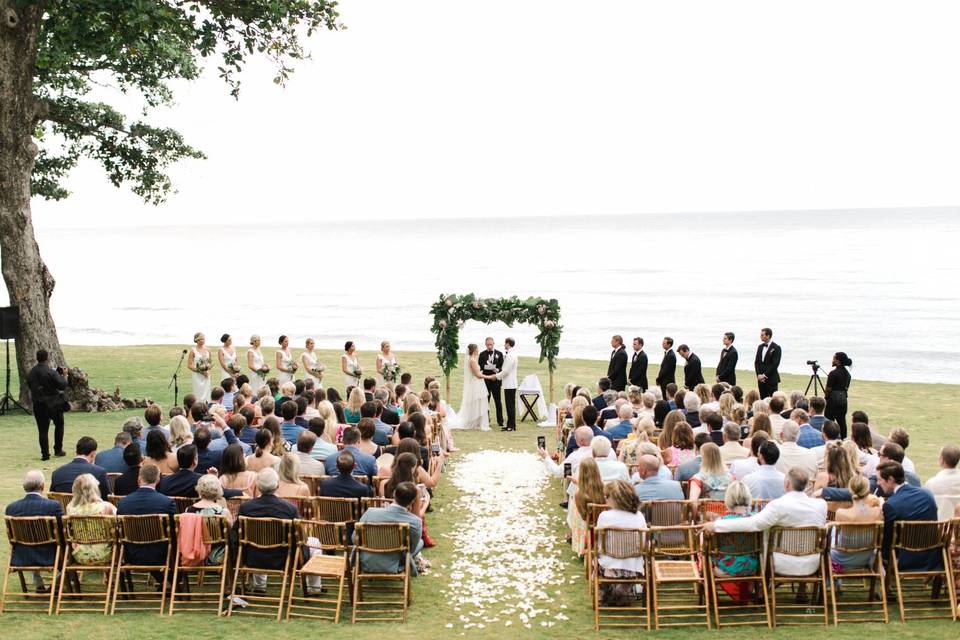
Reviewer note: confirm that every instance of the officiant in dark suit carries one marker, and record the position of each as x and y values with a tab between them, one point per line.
638	365
727	367
767	364
617	369
668	367
692	370
491	363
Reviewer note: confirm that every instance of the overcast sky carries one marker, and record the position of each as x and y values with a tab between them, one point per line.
522	107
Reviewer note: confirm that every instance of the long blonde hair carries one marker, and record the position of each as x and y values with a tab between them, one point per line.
290	468
355	399
589	486
669	423
711	463
326	411
179	431
85	491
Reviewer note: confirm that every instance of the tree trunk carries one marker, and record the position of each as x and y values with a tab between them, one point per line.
29	283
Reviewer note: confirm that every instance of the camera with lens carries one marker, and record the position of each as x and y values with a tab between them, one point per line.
813	363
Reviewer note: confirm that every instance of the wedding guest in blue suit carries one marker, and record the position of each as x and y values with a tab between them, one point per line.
653	486
906	502
62	479
112	459
146	500
34	504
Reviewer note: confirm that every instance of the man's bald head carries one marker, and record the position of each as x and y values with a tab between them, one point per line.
648	466
626	412
583	436
33	481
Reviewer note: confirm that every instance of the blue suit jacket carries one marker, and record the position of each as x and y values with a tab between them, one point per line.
620	430
208	458
656	488
344	487
599	403
146	501
910	503
363	464
33	504
382	434
112	460
62	479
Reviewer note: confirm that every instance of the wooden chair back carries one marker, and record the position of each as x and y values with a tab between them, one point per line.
383	537
115	500
341	510
326	536
303	506
921	535
33	531
63	498
379	502
112	480
145	529
313	482
668	513
835	505
362	479
680	541
233	505
183	502
797	541
90	529
264	533
621	543
216	529
734	543
850	537
710	510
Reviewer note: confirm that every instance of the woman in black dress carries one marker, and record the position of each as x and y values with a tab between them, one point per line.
838	382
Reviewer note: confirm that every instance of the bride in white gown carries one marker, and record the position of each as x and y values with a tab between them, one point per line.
474	408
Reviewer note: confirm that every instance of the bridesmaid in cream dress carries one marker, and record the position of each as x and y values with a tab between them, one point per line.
312	367
286	367
385	357
258	368
228	358
350	365
199	363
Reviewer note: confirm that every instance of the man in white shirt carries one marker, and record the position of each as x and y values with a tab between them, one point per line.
583	436
947	480
793	455
902	438
508	375
830	433
740	469
610	468
794	509
732	449
766	482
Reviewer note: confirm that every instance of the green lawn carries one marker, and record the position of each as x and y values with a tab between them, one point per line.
927	411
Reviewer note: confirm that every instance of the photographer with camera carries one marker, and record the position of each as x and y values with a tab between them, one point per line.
49	402
838	382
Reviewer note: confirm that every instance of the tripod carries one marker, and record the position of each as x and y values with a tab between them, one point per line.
173	380
7	401
814	382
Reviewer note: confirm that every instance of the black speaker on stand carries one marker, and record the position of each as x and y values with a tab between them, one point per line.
9	329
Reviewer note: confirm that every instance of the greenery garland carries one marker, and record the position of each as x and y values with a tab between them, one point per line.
450	312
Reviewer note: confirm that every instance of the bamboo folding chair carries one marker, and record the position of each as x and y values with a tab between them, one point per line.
81	530
620	544
757	504
303	506
342	510
669	513
797	542
732	612
261	534
377	481
362	479
381	538
115	500
835	505
330	539
863	539
112	480
133	532
933	538
32	533
233	505
63	498
708	510
378	502
593	512
675	576
183	503
216	532
313	482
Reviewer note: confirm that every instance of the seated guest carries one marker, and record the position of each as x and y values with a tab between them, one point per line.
830	433
731	450
267	505
624	513
589	417
343	484
128	481
62	479
691	467
211	503
623	428
289	428
653	487
382	431
866	509
947	480
714	423
134	427
390	415
206	457
33	504
713	478
182	483
737	504
681	449
899	435
691	410
248	433
180	434
766	482
838	473
351	411
905	502
808	437
146	500
291	486
610	468
599	403
861	435
739	469
234	474
324	445
309	466
892	451
776	420
87	502
793	509
610	412
301	418
368	432
159	451
262	456
793	455
404	496
817	406
153	414
363	464
588	489
112	459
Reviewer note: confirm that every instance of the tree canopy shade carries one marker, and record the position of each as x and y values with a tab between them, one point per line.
54	54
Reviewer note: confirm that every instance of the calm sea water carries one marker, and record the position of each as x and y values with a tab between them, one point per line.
876	284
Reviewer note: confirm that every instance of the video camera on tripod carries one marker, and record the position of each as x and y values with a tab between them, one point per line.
814	378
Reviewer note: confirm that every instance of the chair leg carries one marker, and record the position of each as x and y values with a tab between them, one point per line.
6	581
233	589
596	602
356	593
896	577
823	592
63	577
119	578
343	579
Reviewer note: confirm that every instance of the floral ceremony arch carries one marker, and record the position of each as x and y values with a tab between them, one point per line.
451	311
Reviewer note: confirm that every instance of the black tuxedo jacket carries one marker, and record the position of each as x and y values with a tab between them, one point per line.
497	362
692	372
727	367
638	370
769	365
617	369
668	369
145	501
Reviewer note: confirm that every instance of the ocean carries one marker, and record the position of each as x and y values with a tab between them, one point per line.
875	284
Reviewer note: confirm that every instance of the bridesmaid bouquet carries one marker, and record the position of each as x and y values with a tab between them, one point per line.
234	368
390	371
318	370
293	366
202	365
263	371
357	372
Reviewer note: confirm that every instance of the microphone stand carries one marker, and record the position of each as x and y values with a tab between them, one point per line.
173	380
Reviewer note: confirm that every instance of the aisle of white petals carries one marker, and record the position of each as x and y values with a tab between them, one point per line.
507	566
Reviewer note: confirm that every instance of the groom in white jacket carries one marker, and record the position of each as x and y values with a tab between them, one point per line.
508	375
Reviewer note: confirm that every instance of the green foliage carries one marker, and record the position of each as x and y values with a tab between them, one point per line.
140	47
450	312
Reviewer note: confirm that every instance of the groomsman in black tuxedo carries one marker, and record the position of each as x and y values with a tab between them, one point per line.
491	363
727	367
638	365
767	364
668	367
617	369
692	370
